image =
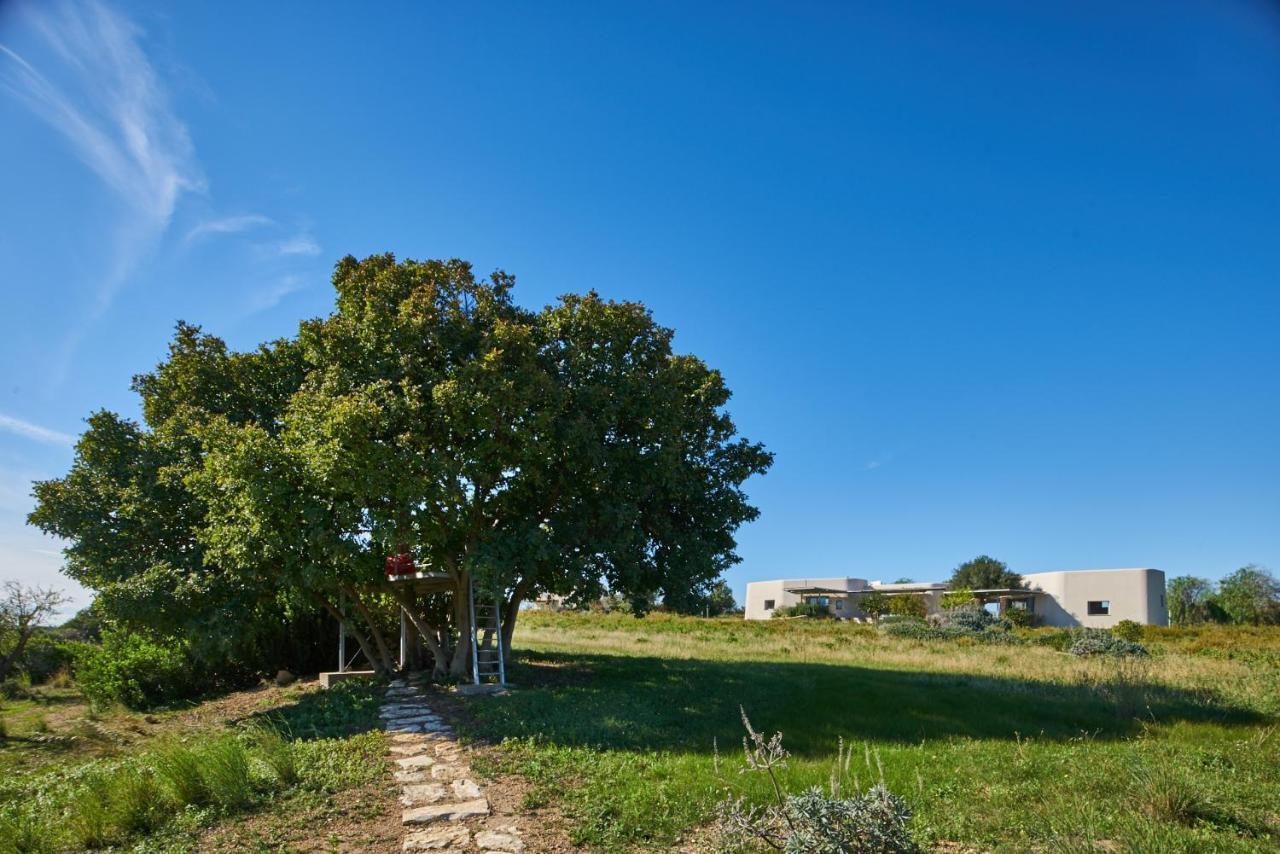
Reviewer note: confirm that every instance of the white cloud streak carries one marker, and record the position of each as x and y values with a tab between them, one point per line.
302	244
228	225
100	93
27	430
271	296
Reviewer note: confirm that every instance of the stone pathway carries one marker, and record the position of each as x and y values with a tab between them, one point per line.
444	809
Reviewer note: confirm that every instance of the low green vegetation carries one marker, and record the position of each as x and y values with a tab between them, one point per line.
633	729
167	791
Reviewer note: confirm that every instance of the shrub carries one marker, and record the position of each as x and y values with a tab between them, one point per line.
907	605
1127	630
135	671
802	609
814	821
971	618
911	628
1088	642
1018	618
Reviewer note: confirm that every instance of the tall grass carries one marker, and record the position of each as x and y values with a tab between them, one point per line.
276	752
225	769
178	768
113	802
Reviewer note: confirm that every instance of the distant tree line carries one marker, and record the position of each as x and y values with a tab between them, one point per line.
1248	596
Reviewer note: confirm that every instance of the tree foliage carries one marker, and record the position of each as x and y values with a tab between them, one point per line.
984	573
23	610
1250	595
1189	600
567	451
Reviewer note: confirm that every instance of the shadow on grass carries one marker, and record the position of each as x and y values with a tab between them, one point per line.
345	709
629	703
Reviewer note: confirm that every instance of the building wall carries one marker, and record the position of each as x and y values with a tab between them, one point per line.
759	592
1132	594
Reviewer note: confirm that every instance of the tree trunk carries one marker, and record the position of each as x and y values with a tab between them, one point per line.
6	663
510	611
384	651
459	667
365	647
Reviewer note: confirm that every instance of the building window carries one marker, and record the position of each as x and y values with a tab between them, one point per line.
822	601
1100	609
839	604
768	604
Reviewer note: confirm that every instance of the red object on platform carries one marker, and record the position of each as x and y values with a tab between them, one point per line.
401	564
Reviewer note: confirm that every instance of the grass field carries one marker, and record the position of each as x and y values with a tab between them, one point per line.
268	769
631	728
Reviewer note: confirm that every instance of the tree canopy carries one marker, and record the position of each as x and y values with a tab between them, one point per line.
567	451
1250	595
984	573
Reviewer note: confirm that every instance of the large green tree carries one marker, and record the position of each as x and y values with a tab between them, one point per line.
132	524
984	573
569	451
1250	595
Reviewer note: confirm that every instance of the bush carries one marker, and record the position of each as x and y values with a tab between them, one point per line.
1089	642
872	603
814	821
802	609
134	671
1128	630
1018	618
958	598
907	605
971	617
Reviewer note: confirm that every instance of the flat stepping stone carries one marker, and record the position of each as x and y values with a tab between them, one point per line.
409	738
437	839
405	777
447	772
398	710
408	749
425	793
410	763
403	728
465	790
492	840
445	812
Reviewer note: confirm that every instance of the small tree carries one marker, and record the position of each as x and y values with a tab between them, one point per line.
23	610
909	605
720	600
873	603
1188	599
985	573
1250	595
957	598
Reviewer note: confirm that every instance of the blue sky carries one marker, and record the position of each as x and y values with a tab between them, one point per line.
993	277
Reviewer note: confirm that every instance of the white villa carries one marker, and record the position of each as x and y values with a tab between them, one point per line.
1097	598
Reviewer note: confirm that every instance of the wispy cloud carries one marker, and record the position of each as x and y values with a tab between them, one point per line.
98	90
228	225
35	432
878	462
302	244
271	296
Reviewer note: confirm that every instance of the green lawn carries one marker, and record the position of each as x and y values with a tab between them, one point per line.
632	727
